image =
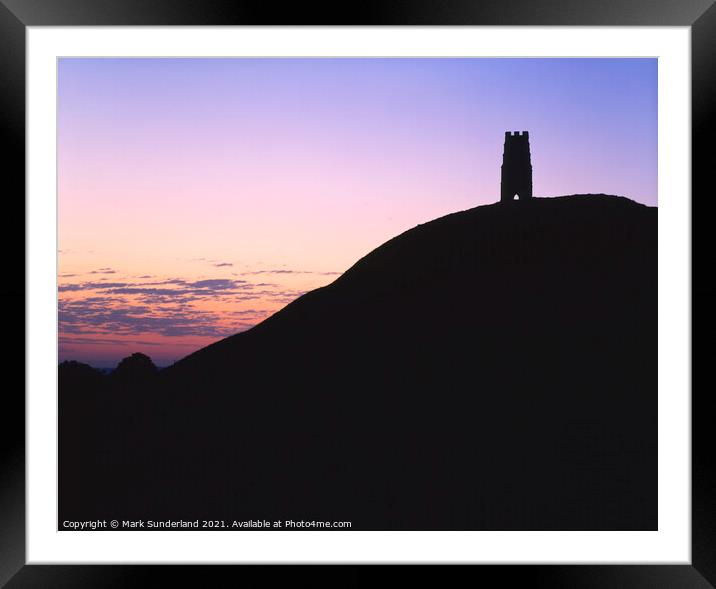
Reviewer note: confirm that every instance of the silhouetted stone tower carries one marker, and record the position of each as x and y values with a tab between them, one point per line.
516	168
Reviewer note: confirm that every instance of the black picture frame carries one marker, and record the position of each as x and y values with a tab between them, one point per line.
16	15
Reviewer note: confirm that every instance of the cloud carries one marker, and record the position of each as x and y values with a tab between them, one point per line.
170	307
94	317
132	290
223	264
172	287
89	286
104	271
216	283
104	341
279	271
288	271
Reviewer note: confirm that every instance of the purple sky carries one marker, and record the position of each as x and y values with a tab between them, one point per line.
277	174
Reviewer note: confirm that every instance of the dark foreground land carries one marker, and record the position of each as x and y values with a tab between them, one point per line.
494	369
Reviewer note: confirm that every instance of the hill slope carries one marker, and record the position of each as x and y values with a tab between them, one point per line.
492	369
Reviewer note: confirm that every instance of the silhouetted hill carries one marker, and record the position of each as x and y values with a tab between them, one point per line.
491	369
76	374
133	369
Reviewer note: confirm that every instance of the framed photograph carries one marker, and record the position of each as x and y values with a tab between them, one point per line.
410	289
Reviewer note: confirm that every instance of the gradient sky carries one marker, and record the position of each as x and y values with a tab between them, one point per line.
198	196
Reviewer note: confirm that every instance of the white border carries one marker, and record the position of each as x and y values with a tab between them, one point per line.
671	544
